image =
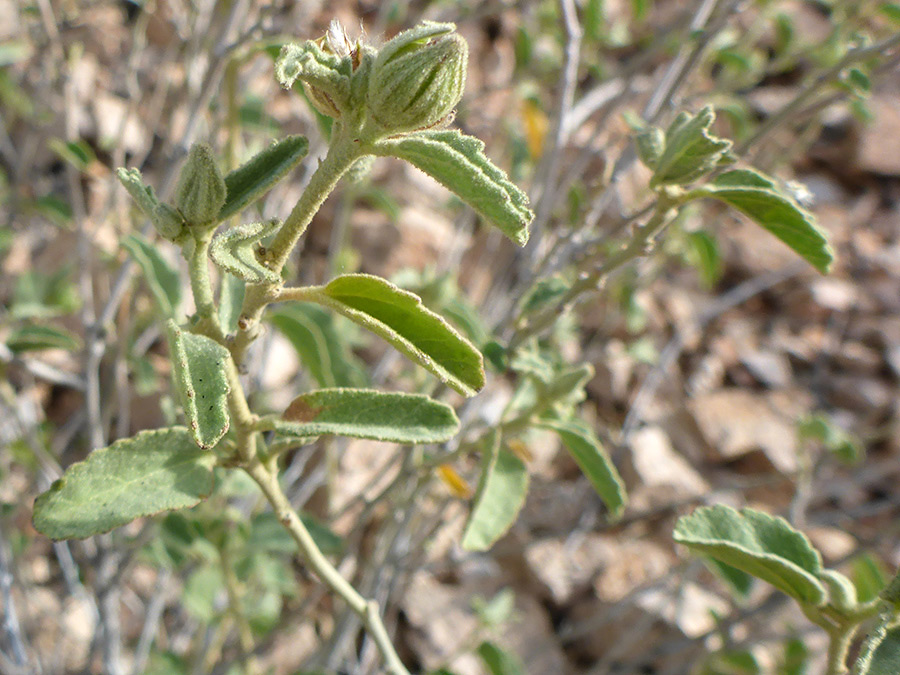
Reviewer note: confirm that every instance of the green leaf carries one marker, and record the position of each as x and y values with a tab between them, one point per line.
759	544
500	496
235	250
201	593
35	337
154	471
161	278
458	163
496	611
140	192
231	299
593	461
543	293
869	576
795	660
881	654
77	153
499	661
198	366
833	438
704	254
650	144
364	413
758	197
322	348
690	151
253	179
400	318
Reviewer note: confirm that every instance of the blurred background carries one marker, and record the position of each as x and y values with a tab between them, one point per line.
725	368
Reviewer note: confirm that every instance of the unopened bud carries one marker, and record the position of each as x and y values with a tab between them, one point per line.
167	221
325	66
201	188
418	78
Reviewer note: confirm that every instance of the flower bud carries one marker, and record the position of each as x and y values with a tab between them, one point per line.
417	78
201	188
325	67
167	221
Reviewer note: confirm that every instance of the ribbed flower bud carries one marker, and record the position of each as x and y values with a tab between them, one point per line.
417	78
201	188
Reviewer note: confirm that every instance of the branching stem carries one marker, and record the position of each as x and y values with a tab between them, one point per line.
367	610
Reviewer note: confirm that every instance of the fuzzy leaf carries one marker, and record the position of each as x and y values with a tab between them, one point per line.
365	413
881	654
198	366
254	178
593	461
35	337
235	250
500	496
231	299
140	192
322	348
458	163
759	544
400	318
153	471
690	151
650	143
758	197
162	279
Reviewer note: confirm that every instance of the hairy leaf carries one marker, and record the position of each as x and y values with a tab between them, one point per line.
151	472
162	279
881	654
254	178
759	544
140	192
400	318
235	250
231	298
364	413
593	461
500	496
198	365
690	151
458	163
758	197
322	348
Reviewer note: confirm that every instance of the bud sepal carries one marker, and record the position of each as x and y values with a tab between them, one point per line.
201	188
417	78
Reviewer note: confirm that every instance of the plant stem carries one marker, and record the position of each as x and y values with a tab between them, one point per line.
341	155
366	610
343	152
635	248
196	251
838	648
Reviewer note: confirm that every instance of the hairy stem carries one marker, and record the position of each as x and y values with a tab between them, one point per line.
366	610
343	152
635	248
196	251
340	157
